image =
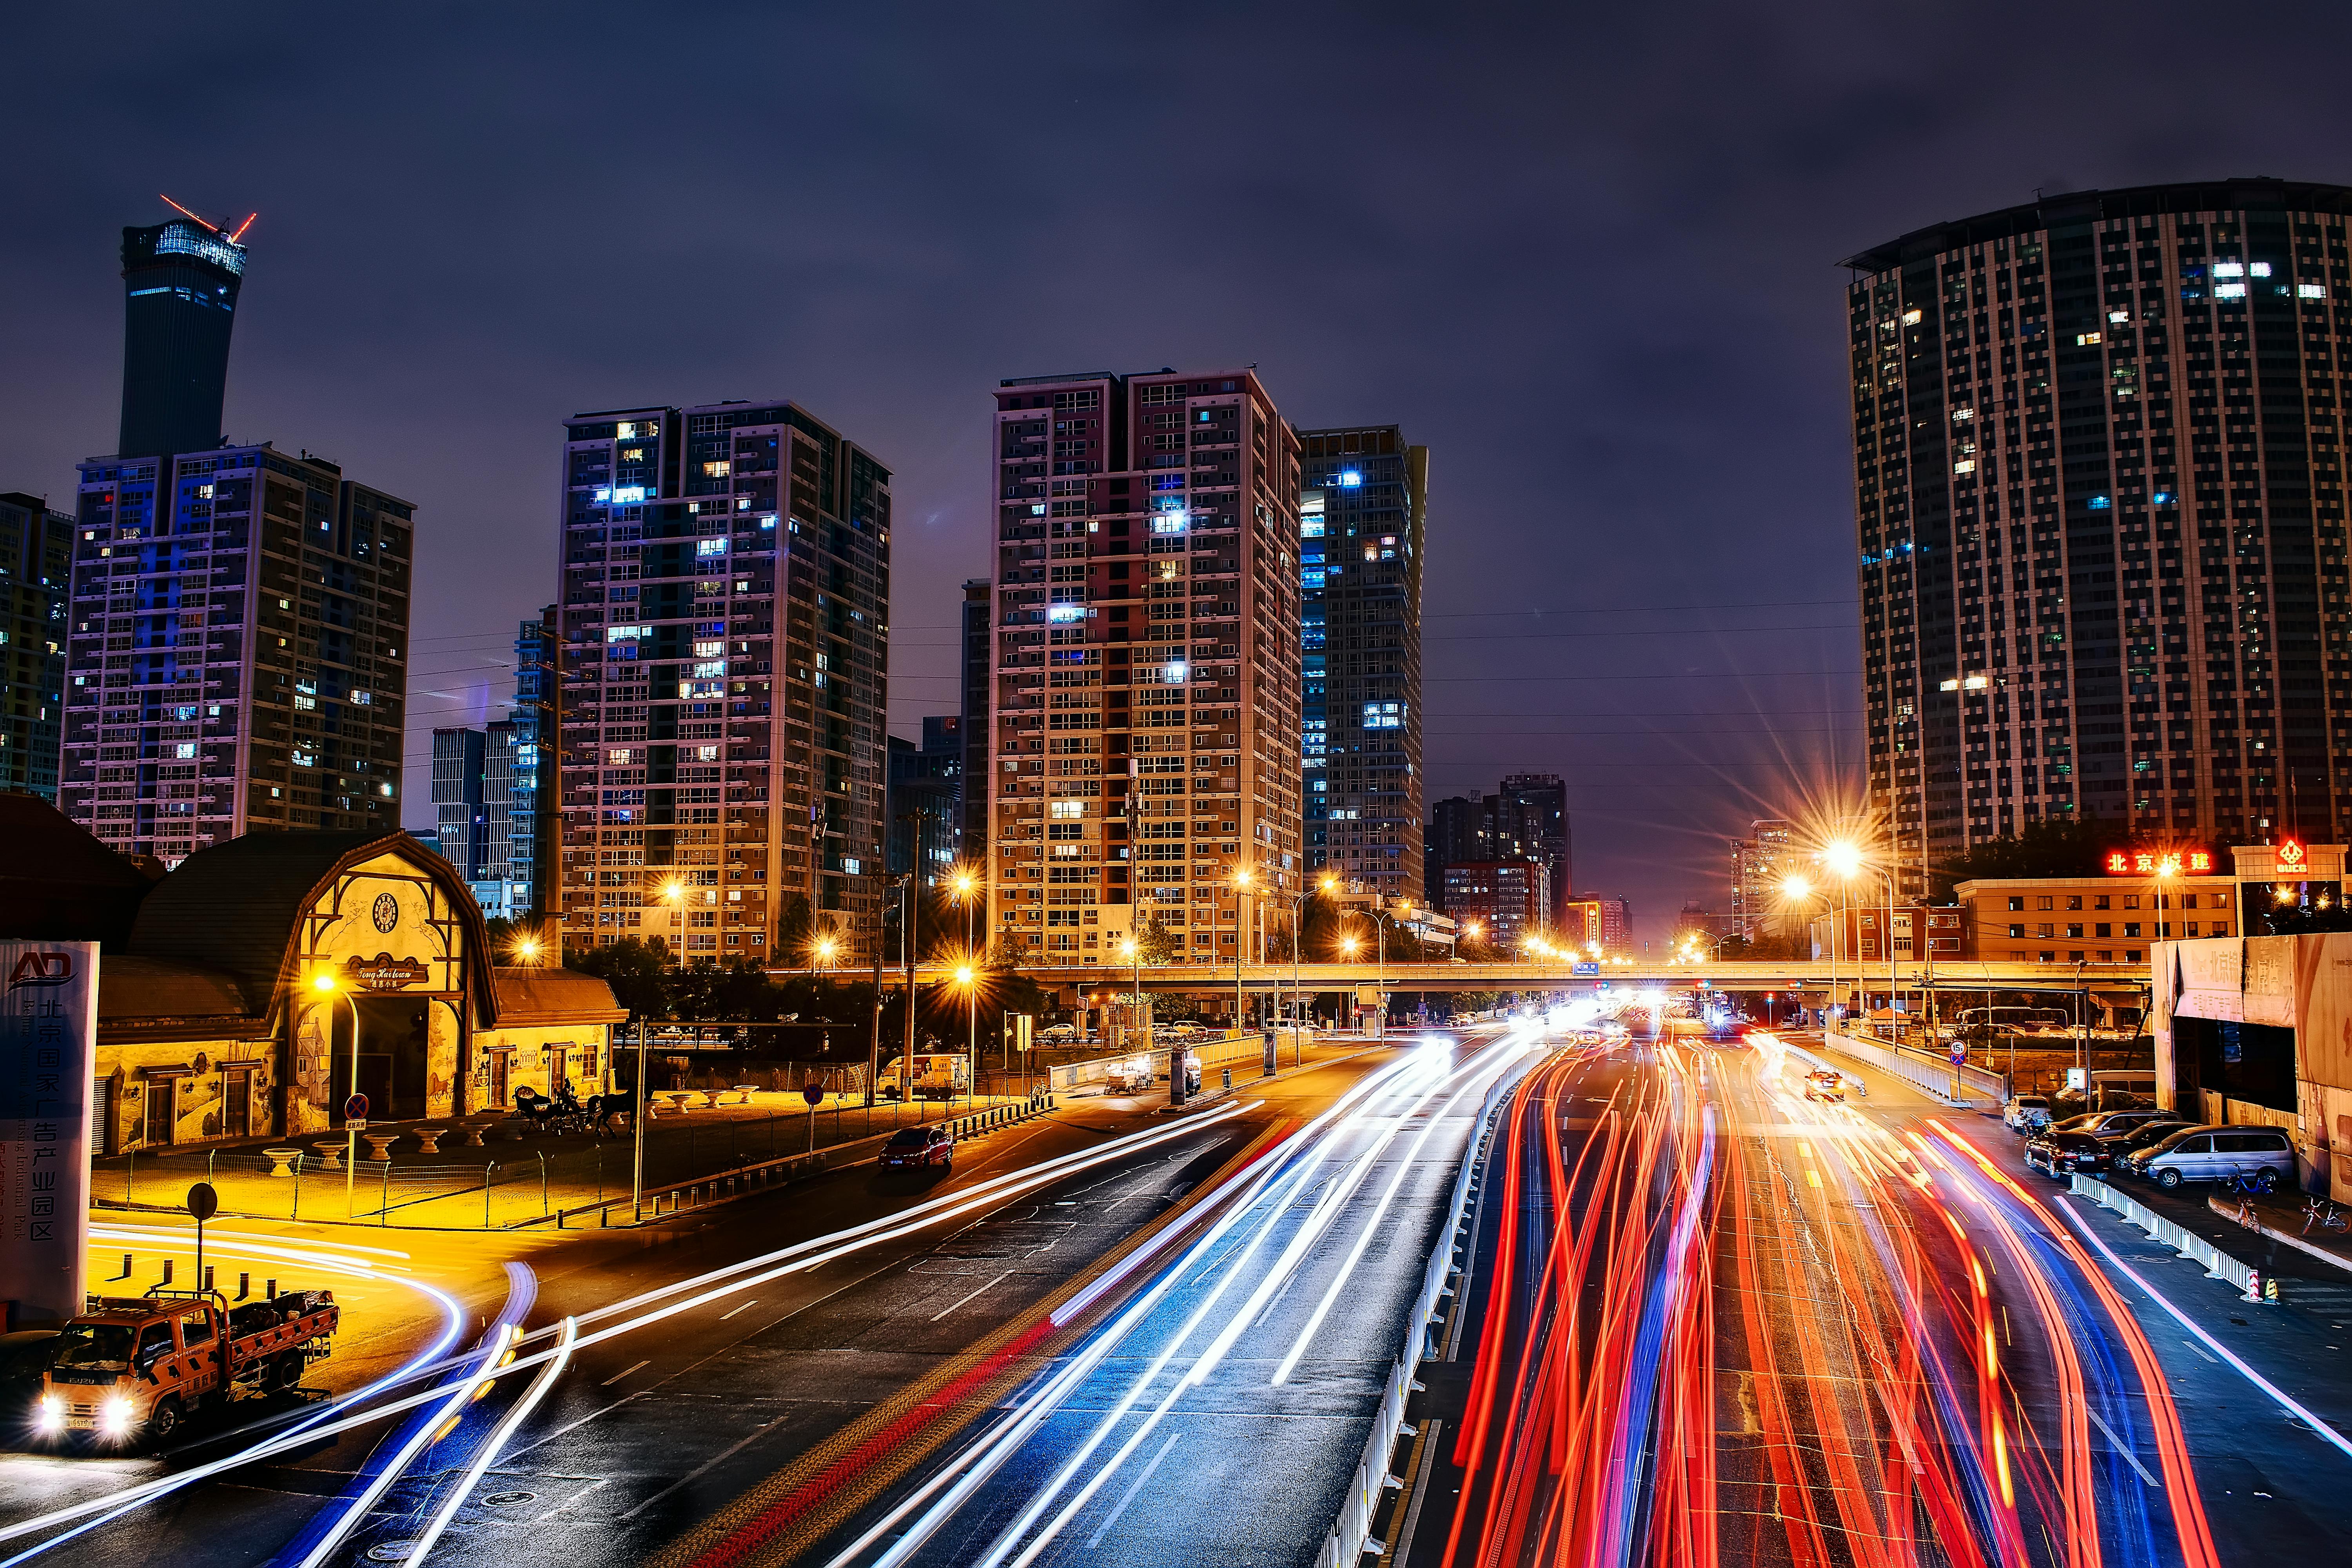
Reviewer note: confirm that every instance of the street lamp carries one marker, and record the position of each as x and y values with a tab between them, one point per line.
674	894
963	884
325	984
1241	879
969	981
1798	890
825	948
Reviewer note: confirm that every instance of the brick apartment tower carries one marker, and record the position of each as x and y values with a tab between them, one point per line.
2100	498
1145	663
726	592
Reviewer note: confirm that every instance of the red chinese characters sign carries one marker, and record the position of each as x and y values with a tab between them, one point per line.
2160	862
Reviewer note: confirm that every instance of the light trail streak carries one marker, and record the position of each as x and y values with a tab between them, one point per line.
487	1453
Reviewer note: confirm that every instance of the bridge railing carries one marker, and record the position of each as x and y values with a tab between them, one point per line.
1933	1074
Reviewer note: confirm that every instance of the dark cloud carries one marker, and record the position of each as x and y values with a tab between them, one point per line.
1586	253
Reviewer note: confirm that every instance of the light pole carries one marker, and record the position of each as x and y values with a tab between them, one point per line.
1799	891
325	983
1241	889
674	894
969	981
963	884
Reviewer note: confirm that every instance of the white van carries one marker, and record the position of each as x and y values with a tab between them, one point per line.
2215	1154
2025	1112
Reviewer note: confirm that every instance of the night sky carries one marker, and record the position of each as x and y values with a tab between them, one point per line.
1585	253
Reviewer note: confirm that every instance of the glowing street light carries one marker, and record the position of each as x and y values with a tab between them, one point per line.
674	894
326	985
825	948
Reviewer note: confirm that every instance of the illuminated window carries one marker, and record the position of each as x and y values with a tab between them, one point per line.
718	470
2310	291
709	649
1069	810
1911	317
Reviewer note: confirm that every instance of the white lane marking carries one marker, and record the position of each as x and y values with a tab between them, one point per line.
2124	1448
575	1497
961	1300
703	1469
744	1307
2286	1402
1134	1487
619	1375
2193	1345
486	1456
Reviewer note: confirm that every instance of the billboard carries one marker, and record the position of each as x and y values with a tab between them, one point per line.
48	1048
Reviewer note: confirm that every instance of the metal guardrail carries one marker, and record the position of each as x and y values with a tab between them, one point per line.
2219	1265
1920	1072
1351	1532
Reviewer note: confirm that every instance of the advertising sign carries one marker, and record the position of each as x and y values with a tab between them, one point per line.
48	1047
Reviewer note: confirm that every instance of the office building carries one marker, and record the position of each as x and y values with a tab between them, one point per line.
1616	919
2098	484
725	667
1146	660
35	570
237	651
486	785
925	801
1502	902
461	821
1759	864
972	824
1362	511
180	281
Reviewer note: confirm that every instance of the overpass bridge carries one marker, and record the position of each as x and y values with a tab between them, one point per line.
1067	982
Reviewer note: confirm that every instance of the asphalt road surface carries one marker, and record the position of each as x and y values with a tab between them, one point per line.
765	1381
1708	1318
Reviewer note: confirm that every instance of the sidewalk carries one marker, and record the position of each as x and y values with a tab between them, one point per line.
2286	1221
518	1177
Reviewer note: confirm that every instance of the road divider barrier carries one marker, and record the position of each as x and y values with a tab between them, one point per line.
1920	1072
1350	1536
2218	1264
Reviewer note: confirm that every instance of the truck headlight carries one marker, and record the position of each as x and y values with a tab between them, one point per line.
114	1415
50	1413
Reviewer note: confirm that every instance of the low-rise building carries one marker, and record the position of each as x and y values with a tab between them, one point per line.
2089	920
212	1026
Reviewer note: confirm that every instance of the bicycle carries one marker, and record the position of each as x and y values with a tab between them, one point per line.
2326	1214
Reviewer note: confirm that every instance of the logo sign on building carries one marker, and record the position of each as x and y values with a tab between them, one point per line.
48	1048
2160	862
385	973
2291	855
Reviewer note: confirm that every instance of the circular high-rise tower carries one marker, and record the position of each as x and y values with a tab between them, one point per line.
181	281
2099	498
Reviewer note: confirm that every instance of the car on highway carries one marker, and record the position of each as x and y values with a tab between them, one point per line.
918	1148
2026	1111
1057	1035
1823	1084
2059	1153
2215	1153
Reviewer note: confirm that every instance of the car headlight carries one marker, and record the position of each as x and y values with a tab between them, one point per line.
114	1415
50	1413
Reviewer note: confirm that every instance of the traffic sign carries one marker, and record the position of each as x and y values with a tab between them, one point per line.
355	1123
812	1092
203	1202
355	1107
1960	1054
1586	969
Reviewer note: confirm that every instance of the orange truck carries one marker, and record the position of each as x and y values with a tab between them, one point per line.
134	1368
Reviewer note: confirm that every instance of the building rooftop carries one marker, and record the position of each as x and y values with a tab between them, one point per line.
2252	192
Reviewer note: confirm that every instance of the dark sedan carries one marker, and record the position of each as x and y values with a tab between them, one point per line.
2062	1153
2145	1134
918	1146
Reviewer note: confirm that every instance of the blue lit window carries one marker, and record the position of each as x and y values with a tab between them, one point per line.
628	495
2099	503
1349	479
2163	497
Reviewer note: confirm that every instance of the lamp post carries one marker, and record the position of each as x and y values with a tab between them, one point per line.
638	1131
825	948
674	894
1799	891
325	984
1241	889
969	981
963	884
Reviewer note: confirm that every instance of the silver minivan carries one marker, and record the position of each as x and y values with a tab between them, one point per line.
2217	1153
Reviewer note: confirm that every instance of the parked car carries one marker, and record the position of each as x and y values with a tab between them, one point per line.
2215	1154
2104	1124
2154	1130
2026	1111
1823	1084
2061	1152
918	1147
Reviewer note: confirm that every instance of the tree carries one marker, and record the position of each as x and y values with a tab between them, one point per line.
2053	847
1770	945
1156	940
637	971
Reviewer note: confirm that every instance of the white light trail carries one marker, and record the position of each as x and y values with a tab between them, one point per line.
495	1444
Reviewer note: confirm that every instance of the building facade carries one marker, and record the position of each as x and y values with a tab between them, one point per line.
972	824
2098	485
1527	818
2090	920
1759	864
1502	902
725	666
236	658
180	283
925	806
461	822
1363	518
486	785
36	574
1145	662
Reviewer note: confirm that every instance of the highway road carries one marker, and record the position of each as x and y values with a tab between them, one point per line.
767	1381
1709	1319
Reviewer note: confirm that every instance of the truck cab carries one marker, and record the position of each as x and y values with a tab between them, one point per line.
132	1369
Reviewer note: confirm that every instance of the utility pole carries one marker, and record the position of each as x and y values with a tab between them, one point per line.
907	935
873	1051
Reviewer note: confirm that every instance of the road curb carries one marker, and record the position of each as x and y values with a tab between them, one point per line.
2256	1225
2219	1265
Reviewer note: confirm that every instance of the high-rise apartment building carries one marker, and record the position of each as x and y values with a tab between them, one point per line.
725	668
1362	514
237	651
1526	819
1759	864
972	824
925	801
460	818
181	280
1499	902
36	569
1144	698
486	785
2099	489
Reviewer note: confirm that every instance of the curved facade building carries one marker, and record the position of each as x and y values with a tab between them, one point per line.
2099	498
180	281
